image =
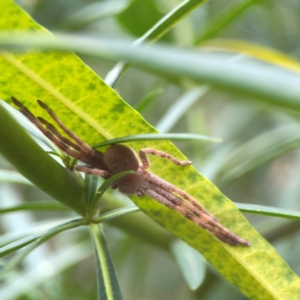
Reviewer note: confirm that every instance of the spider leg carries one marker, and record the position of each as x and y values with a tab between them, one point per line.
180	202
90	157
145	162
55	132
160	182
219	231
27	113
94	155
71	134
211	225
92	171
170	187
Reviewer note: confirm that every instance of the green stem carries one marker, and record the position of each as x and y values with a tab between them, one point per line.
155	33
224	19
43	238
159	137
268	211
43	205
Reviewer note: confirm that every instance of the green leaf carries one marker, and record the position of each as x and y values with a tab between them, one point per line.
42	205
257	51
90	188
156	32
22	233
252	82
180	107
93	12
116	214
35	164
35	241
224	19
108	285
190	262
30	238
96	113
13	177
257	151
18	244
158	137
32	129
146	15
169	20
103	188
268	211
144	102
23	282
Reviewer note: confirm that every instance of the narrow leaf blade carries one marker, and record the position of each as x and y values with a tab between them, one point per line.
108	285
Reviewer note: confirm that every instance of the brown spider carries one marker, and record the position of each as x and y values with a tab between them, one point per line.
119	158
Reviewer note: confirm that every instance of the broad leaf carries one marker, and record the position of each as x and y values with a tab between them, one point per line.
96	113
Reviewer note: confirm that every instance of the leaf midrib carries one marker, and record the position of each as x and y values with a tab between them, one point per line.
51	90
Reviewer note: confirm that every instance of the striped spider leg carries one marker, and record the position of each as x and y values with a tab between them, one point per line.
119	158
77	149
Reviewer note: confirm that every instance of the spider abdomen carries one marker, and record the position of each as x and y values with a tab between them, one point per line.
131	183
120	158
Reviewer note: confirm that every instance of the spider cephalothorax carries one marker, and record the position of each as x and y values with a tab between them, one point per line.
119	158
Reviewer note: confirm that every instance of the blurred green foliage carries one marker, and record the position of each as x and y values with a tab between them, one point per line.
146	14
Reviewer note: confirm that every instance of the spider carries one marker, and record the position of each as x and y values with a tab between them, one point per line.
119	158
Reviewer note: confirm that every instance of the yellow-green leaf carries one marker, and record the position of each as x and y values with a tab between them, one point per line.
96	113
261	52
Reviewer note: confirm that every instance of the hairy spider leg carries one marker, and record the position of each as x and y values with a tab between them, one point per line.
38	123
225	235
93	171
145	162
96	156
184	208
188	210
180	202
96	159
176	203
71	134
55	132
27	113
143	156
166	185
